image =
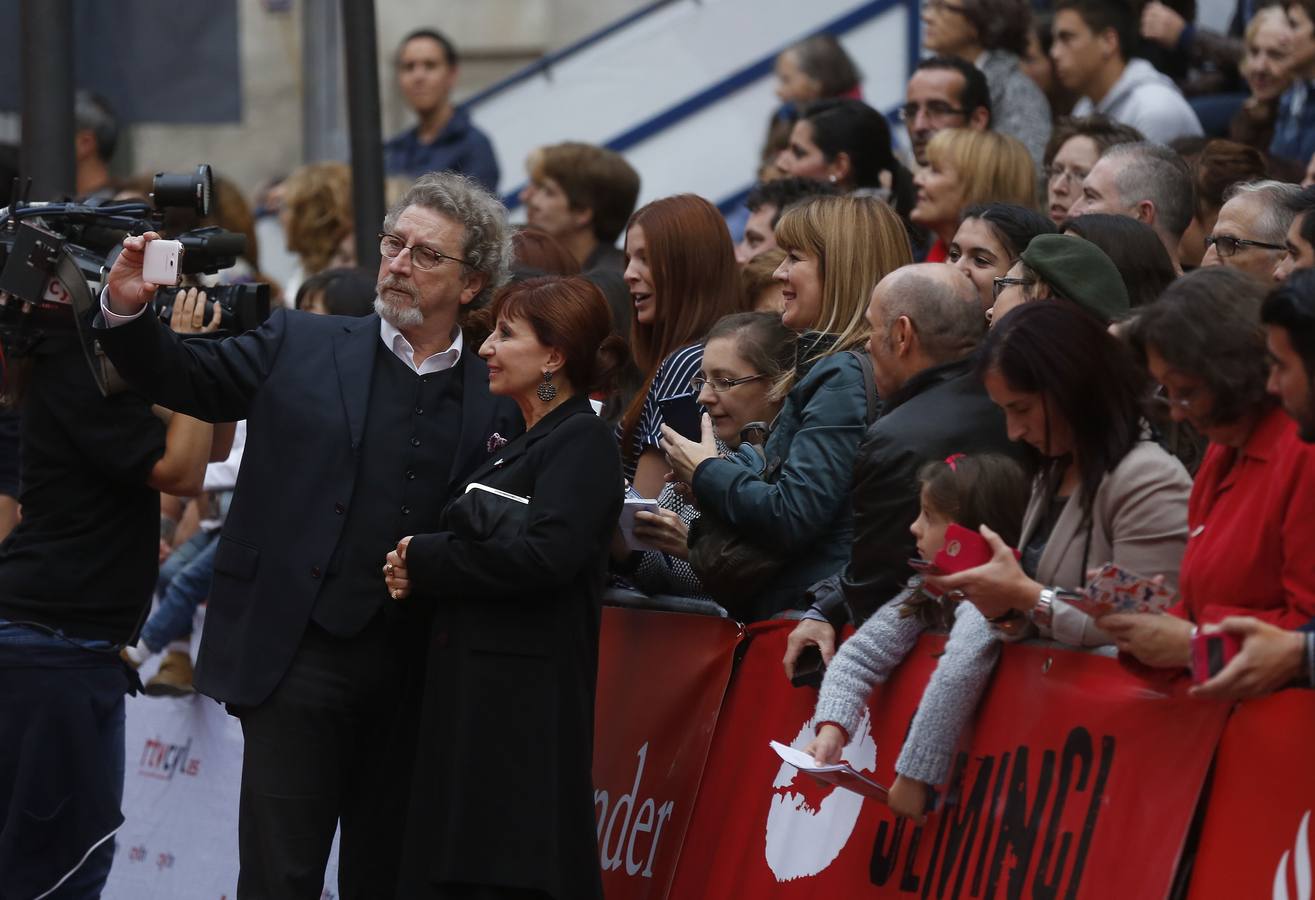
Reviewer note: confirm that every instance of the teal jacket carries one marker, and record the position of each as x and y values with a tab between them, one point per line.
804	511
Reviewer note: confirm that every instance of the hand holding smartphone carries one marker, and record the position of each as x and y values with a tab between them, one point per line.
162	262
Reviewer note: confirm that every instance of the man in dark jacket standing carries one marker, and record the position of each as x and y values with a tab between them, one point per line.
926	324
359	431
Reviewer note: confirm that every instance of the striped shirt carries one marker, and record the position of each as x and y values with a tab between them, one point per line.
672	380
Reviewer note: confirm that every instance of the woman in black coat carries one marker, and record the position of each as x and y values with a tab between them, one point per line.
502	799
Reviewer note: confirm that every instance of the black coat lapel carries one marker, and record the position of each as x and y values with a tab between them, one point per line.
518	447
353	355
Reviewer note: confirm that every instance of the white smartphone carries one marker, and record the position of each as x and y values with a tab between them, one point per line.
161	265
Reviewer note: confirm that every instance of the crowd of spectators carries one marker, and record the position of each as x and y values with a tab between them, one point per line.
1077	316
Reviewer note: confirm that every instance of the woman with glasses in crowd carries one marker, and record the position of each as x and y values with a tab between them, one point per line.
681	272
1105	491
993	35
792	499
967	167
990	238
744	357
1252	510
1074	147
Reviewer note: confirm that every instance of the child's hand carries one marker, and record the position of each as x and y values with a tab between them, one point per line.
908	799
828	744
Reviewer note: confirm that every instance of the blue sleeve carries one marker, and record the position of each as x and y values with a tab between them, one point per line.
480	162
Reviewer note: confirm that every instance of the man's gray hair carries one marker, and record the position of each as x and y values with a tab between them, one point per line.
1277	200
948	320
463	199
1150	171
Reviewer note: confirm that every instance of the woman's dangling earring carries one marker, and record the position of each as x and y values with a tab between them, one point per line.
547	390
831	178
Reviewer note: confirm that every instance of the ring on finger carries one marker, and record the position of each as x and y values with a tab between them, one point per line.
388	568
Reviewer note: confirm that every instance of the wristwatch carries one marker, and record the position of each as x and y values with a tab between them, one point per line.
1044	612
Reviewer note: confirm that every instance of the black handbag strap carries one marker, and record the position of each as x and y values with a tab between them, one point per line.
869	383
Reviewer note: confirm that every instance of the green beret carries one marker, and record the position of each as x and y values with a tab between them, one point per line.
1079	271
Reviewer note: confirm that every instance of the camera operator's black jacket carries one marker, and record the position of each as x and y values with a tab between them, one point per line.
303	384
938	412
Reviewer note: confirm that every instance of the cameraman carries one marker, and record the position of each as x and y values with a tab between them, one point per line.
76	576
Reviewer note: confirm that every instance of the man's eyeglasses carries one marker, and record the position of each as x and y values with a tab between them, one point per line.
391	246
1183	400
1069	175
936	109
1000	282
719	385
1227	246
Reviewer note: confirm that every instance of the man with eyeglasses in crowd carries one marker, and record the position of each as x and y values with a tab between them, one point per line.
1249	232
1272	658
944	92
1299	243
359	431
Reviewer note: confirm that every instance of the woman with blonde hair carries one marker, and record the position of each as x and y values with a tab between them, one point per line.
967	167
317	215
790	498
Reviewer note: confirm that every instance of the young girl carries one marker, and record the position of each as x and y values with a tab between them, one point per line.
972	491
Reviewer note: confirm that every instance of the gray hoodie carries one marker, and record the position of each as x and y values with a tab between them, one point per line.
1148	100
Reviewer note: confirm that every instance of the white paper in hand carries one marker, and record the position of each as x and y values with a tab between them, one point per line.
840	774
627	523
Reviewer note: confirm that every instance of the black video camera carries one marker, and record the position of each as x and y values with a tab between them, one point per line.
54	258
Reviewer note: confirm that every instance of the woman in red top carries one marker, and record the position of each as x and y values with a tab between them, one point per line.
1251	516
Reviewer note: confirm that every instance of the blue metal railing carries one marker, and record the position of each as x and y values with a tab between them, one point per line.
714	93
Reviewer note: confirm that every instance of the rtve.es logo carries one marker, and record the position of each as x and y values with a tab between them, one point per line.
164	760
801	839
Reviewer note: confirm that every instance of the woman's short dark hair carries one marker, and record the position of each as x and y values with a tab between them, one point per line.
982	489
1085	376
1013	225
761	338
1207	324
1220	165
823	59
857	130
571	315
1135	249
1000	24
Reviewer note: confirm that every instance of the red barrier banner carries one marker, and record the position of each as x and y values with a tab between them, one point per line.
661	681
1078	781
1255	839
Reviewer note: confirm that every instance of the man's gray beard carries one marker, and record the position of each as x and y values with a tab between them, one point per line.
397	315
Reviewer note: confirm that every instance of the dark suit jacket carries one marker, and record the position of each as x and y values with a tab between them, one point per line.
939	411
502	791
302	382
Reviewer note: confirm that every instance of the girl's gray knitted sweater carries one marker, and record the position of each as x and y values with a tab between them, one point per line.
949	700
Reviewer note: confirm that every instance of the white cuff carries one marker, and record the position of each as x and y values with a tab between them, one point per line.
113	319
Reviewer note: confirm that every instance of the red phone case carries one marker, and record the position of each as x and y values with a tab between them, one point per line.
1211	652
964	549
